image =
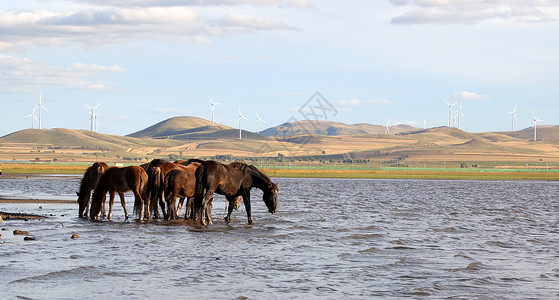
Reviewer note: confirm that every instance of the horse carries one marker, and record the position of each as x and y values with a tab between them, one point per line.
232	181
121	180
154	182
87	184
157	184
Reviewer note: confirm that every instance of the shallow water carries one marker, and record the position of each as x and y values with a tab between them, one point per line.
331	238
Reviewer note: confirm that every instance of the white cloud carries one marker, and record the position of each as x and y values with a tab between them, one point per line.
102	25
469	96
475	11
236	22
25	75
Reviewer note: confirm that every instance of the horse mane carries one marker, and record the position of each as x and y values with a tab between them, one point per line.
252	170
87	182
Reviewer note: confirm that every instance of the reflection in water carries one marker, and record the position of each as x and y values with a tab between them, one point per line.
330	238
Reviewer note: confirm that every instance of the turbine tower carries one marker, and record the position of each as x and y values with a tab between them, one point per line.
97	120
458	114
386	129
92	118
450	113
33	117
40	106
535	126
240	121
213	107
513	116
257	122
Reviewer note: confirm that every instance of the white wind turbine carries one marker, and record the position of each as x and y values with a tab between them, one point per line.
458	114
33	117
450	113
97	120
386	129
535	125
513	116
92	118
240	121
213	108
257	122
40	106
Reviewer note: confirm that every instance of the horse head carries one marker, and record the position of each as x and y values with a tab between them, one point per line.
270	197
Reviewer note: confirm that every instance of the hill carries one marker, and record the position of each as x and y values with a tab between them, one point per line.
331	128
79	138
179	126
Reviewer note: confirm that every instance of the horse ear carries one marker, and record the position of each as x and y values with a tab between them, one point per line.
78	193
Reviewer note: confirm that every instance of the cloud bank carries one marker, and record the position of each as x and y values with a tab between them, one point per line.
475	11
25	75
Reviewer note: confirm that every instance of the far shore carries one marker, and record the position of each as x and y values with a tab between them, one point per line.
45	171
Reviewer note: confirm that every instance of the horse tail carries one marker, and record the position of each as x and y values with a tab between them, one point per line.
155	188
143	189
200	175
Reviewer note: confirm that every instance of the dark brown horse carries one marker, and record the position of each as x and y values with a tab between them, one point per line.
154	183
182	183
87	184
122	180
232	181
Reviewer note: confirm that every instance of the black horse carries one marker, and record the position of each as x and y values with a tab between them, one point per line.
232	181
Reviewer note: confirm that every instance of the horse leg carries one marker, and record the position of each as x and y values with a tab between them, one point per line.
170	199
189	211
103	212
246	200
179	207
123	203
230	208
111	201
87	204
162	205
204	207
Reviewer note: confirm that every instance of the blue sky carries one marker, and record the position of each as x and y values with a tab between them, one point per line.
145	61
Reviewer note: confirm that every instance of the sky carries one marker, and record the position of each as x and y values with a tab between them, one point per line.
144	61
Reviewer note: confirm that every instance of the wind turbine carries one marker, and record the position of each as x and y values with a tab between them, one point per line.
386	130
513	116
450	112
92	118
213	107
40	106
458	114
97	120
257	122
535	126
33	117
240	121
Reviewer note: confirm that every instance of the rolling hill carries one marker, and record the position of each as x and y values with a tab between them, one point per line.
179	126
331	128
195	137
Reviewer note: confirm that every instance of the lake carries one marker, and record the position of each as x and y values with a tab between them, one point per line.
331	238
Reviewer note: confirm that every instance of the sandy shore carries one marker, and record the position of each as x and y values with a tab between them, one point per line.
10	200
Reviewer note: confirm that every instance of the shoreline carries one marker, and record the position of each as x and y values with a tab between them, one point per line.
456	174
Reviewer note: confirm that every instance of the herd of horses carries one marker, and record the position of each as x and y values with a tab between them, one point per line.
160	182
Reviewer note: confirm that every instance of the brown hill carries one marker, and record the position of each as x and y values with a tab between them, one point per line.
178	126
331	128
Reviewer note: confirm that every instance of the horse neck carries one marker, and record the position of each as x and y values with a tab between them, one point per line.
259	179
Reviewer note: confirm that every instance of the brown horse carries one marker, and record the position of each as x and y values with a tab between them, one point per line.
154	183
87	184
122	180
182	183
232	181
